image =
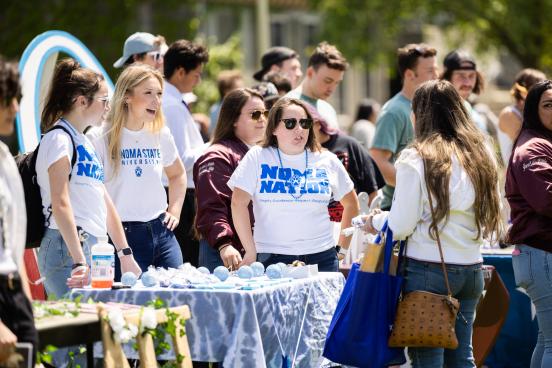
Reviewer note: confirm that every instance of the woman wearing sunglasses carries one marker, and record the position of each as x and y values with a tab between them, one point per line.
240	126
290	182
136	149
77	208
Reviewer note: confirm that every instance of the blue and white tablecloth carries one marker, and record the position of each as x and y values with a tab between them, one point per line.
254	328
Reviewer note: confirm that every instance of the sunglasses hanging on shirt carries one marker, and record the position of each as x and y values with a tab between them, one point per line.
292	122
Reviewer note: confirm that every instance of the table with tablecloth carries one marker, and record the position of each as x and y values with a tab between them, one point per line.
249	328
518	335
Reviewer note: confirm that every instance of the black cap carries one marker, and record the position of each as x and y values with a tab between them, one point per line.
273	56
459	60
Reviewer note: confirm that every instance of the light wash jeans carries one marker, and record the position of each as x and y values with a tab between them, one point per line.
532	272
54	261
466	283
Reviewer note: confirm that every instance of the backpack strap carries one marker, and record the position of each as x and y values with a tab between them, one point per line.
74	157
73	161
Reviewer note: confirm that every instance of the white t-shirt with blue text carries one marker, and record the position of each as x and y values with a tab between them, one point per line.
86	189
290	204
136	188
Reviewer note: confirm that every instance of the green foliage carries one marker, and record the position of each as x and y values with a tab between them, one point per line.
369	31
159	334
223	56
102	26
45	356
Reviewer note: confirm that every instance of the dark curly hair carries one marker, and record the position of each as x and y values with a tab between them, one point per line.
9	82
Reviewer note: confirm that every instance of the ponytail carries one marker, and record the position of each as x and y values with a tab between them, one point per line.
69	82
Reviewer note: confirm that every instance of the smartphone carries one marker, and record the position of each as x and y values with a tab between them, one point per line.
25	349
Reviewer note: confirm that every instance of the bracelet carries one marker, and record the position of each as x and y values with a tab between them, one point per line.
75	265
224	246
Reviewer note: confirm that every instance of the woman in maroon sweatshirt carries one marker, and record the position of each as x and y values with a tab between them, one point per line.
241	124
529	192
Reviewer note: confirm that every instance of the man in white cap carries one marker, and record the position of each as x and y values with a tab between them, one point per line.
145	48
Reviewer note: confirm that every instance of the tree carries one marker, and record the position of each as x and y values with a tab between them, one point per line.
369	30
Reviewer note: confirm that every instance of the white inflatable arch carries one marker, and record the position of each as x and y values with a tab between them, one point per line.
36	68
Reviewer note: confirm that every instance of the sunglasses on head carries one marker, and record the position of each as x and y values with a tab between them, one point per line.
256	114
292	122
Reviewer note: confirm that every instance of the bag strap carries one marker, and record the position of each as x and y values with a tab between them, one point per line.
438	237
73	161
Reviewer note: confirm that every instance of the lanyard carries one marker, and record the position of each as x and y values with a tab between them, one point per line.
295	180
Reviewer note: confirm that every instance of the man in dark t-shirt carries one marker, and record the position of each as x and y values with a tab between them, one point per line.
358	163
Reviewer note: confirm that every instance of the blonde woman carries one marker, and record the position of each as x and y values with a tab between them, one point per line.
449	161
136	149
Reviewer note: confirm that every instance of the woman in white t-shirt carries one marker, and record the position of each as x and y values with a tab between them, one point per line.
450	161
290	181
136	149
76	205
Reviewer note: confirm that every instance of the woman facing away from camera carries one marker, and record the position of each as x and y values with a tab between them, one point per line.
76	204
290	182
529	193
448	158
241	125
136	150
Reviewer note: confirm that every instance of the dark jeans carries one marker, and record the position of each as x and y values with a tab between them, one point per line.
152	244
466	283
327	260
184	232
208	256
16	312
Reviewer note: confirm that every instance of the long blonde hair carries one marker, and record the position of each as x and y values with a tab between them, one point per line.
131	77
443	129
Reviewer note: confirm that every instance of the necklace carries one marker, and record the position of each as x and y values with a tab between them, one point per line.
295	180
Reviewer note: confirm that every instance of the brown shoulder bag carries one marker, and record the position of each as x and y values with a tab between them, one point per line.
426	319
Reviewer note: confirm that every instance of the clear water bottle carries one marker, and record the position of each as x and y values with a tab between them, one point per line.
102	270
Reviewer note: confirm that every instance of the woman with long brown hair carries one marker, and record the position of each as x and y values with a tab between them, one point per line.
449	159
77	208
241	125
290	181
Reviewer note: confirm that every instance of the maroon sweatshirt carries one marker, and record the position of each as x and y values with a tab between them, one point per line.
211	173
529	190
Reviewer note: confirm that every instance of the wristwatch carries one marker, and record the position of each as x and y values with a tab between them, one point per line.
124	252
340	250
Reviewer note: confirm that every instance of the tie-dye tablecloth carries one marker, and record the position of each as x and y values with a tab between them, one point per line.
254	328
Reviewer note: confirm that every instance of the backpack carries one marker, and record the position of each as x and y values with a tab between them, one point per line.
36	221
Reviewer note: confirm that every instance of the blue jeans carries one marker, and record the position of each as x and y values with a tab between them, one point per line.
532	272
54	261
208	256
327	260
466	284
152	244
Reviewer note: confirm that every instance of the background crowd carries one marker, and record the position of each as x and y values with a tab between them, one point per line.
271	177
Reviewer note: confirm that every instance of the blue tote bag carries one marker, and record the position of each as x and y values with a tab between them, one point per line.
362	321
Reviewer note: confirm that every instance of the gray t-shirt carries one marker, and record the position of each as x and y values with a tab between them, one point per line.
394	131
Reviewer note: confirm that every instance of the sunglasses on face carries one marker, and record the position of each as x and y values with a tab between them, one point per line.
156	55
292	122
256	115
104	100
